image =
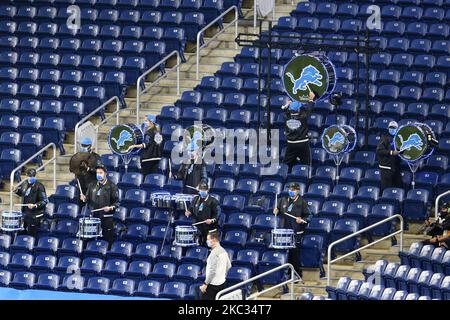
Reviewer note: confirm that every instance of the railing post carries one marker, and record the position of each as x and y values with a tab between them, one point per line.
13	173
292	283
330	247
436	203
103	106
142	78
236	23
54	167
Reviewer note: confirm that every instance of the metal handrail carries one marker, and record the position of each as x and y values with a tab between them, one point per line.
199	34
330	247
255	13
11	177
436	204
294	278
141	78
86	118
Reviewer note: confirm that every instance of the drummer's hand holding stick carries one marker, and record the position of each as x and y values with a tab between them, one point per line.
187	213
299	220
83	197
107	209
32	206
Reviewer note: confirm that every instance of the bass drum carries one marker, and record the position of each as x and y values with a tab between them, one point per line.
122	136
309	72
415	141
337	139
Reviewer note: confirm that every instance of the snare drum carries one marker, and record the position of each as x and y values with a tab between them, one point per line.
89	228
283	239
180	199
162	199
12	221
186	236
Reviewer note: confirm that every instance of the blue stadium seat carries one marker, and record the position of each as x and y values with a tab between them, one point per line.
43	263
20	261
23	280
99	285
114	268
148	288
234	239
311	253
415	204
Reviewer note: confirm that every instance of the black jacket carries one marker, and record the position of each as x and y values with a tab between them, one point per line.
299	208
100	195
34	194
89	176
192	174
385	158
296	135
203	209
152	149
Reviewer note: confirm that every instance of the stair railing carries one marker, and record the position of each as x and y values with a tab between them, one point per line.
12	187
330	247
116	113
292	280
141	80
436	204
235	21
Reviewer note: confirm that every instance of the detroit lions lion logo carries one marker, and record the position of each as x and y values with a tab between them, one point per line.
124	136
413	141
335	139
309	75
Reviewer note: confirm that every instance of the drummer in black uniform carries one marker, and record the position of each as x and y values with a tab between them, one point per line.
296	206
192	173
34	195
298	148
87	173
388	160
204	208
103	194
151	147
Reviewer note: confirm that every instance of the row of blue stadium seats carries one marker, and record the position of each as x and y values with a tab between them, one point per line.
386	76
191	23
153	288
348	289
426	257
43	45
390	14
98	285
138	58
231	87
409	9
398	61
103	15
148	252
113	10
30	81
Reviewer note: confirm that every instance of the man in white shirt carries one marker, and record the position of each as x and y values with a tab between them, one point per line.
217	267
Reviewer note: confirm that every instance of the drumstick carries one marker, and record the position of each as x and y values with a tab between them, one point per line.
293	217
99	209
275	206
290	215
194	224
185	205
23	205
79	187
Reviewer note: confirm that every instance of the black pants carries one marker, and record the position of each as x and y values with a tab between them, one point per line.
108	229
294	255
148	167
31	224
210	293
301	151
390	179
